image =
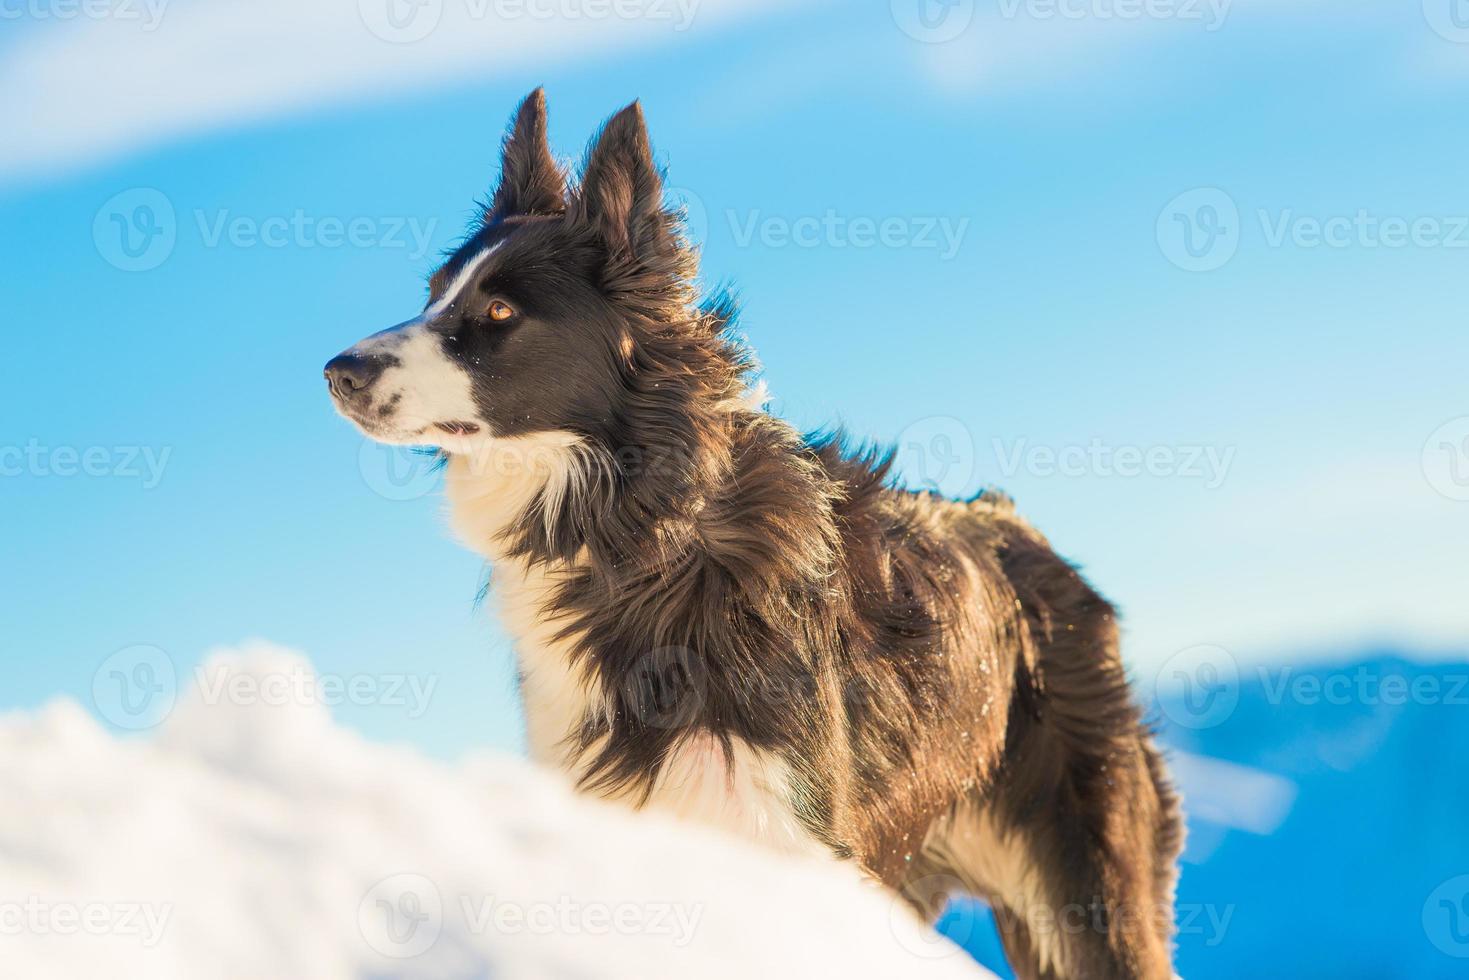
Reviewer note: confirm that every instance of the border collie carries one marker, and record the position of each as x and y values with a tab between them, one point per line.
719	617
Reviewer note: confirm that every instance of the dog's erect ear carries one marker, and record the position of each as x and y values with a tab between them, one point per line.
621	192
530	181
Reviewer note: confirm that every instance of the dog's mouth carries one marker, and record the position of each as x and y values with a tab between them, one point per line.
393	431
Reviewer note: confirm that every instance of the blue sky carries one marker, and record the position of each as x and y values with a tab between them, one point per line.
1224	246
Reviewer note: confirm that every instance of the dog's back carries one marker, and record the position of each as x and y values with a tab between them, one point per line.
995	744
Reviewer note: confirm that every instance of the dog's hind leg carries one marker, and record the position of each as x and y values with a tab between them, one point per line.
1065	908
1076	839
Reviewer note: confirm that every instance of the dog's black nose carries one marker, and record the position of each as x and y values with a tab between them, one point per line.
349	374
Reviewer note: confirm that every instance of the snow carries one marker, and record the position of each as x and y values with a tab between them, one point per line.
264	840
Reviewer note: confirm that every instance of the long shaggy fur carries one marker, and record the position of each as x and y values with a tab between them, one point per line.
941	693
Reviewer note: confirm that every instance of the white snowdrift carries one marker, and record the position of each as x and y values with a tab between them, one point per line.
255	841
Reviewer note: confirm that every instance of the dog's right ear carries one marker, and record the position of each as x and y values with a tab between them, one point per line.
530	180
621	193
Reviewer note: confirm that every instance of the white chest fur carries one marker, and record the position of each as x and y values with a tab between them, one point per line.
558	699
487	492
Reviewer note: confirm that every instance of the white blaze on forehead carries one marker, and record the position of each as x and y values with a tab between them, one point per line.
466	274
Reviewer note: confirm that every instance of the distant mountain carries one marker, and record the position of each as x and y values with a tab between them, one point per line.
1328	818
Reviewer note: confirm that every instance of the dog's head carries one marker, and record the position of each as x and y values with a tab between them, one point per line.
530	325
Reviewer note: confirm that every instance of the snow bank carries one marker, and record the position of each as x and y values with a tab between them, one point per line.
265	841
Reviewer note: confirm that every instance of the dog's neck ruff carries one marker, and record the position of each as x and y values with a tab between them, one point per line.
492	493
492	488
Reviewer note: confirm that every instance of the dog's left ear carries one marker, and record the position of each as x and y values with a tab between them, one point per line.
621	193
530	181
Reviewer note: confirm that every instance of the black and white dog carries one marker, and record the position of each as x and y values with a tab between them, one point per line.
719	617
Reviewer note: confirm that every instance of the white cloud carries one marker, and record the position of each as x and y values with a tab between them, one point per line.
81	90
249	839
1002	46
1231	795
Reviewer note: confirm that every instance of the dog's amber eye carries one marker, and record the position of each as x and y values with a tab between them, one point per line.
501	310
